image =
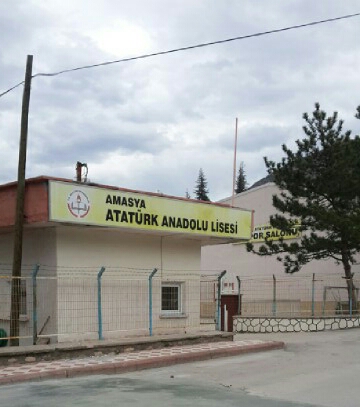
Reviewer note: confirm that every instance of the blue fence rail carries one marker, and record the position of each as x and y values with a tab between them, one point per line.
82	303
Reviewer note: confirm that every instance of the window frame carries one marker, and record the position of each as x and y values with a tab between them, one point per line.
180	288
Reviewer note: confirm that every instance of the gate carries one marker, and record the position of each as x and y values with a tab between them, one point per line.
229	308
208	301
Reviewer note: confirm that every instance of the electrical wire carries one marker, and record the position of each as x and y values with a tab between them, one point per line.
202	45
14	87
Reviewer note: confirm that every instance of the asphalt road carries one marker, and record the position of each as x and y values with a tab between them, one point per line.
315	369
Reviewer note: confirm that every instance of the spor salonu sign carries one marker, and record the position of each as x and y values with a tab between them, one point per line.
267	232
91	205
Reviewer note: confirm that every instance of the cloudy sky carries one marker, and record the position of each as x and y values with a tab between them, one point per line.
150	124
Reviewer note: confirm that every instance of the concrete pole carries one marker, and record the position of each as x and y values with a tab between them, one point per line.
19	214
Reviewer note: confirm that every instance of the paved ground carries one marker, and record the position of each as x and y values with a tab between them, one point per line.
321	368
131	361
315	369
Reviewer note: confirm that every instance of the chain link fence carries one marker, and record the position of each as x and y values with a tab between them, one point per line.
66	304
298	295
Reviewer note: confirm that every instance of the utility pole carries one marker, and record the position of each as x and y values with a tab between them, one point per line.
19	214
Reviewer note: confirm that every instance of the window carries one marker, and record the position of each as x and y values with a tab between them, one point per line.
171	298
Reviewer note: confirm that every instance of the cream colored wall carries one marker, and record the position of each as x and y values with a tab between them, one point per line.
238	262
234	257
6	248
258	199
181	262
39	247
88	247
92	247
128	259
5	283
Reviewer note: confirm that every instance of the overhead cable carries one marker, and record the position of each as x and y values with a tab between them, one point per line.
202	45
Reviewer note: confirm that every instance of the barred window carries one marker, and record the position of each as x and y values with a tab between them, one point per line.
171	298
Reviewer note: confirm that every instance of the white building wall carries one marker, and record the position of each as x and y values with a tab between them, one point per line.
237	261
128	259
91	247
39	247
257	272
70	258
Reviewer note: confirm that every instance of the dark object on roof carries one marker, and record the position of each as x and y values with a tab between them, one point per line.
263	181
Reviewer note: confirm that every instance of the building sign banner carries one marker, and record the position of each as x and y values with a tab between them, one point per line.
83	204
267	232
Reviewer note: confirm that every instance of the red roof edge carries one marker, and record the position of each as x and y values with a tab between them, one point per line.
45	178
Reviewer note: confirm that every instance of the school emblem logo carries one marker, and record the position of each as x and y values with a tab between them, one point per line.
78	204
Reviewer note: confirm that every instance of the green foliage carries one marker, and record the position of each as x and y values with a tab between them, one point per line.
320	188
201	192
241	180
357	115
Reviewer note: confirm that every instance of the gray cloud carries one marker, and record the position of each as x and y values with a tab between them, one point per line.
151	124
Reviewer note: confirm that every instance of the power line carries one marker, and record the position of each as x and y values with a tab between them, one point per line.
14	87
206	44
202	45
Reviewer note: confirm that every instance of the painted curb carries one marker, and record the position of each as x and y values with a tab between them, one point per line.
142	364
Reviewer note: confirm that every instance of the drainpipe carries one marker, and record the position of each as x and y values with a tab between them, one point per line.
150	301
34	290
219	300
239	295
100	331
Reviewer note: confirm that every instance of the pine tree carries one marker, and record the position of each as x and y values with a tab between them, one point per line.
201	191
320	189
241	180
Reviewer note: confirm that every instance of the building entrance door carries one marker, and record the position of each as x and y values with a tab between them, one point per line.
229	308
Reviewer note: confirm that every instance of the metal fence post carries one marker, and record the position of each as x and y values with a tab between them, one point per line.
324	300
150	301
313	296
219	300
34	292
274	296
100	331
239	295
351	298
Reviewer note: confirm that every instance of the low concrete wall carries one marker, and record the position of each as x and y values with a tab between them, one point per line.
10	355
269	324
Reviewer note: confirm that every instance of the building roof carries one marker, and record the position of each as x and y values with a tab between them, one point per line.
263	181
51	200
45	178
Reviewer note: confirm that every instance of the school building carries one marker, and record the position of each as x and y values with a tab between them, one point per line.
107	261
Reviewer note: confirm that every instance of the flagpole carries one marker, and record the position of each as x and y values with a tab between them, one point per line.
234	173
